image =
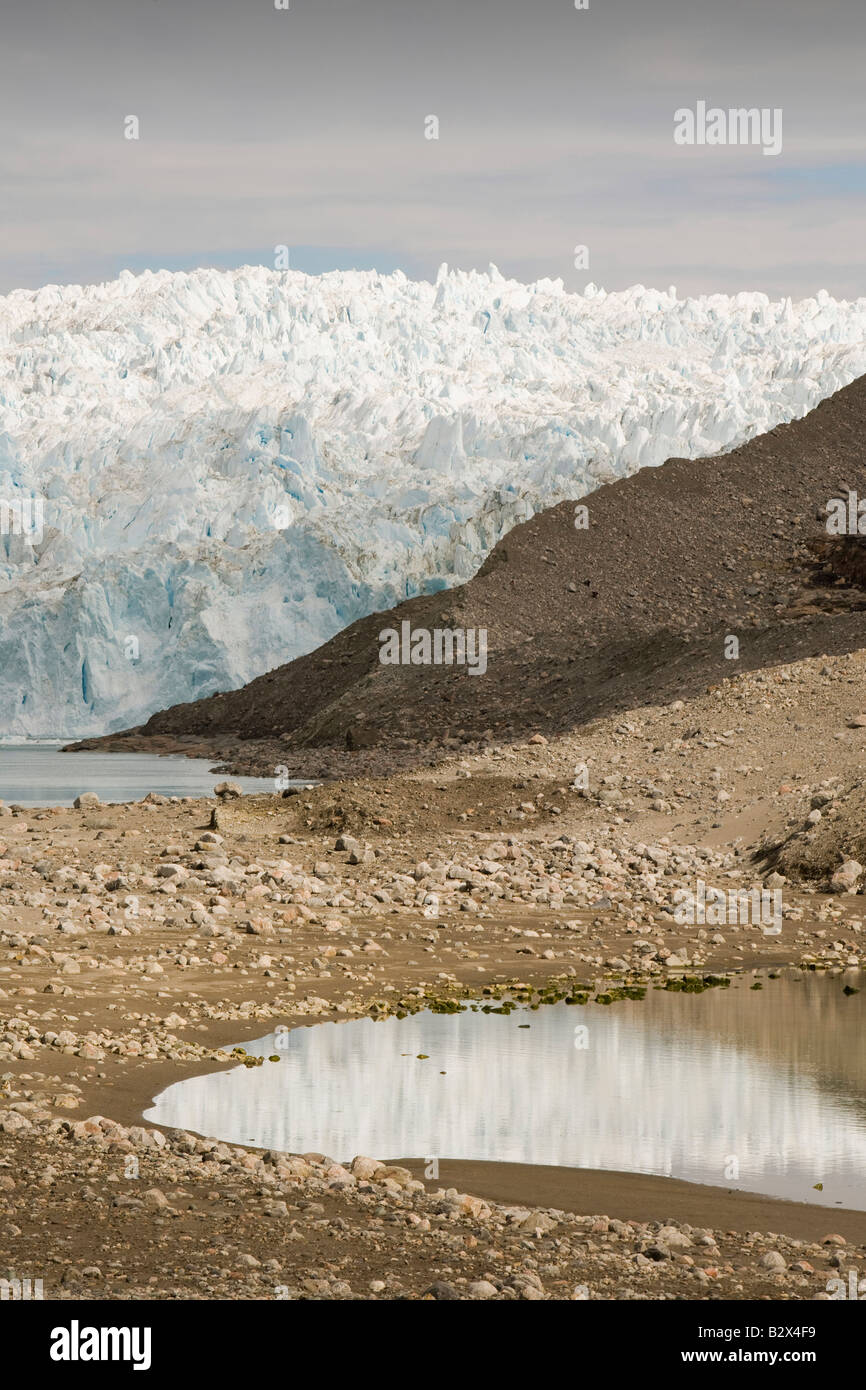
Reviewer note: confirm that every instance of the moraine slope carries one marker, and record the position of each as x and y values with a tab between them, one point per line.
637	608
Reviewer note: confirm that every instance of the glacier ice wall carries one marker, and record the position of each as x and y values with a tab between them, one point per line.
232	466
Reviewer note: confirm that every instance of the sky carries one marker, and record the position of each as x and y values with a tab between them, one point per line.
305	127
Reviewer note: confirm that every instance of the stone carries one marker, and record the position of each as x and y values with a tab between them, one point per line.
482	1288
359	855
474	1206
441	1292
11	1123
537	1224
528	1286
365	1168
225	790
846	877
773	1261
673	1238
86	801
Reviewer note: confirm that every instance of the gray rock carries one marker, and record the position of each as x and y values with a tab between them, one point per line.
673	1238
846	877
482	1288
227	790
441	1292
773	1261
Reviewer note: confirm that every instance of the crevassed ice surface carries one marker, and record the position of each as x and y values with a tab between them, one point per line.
235	465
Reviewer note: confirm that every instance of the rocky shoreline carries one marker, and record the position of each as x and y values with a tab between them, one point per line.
145	1214
138	943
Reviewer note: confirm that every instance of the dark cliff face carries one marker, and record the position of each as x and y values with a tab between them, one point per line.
638	606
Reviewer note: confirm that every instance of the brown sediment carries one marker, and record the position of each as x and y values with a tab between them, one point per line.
643	1197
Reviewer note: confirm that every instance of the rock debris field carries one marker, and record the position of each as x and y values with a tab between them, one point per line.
140	943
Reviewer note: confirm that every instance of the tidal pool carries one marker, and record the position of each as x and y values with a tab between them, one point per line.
758	1089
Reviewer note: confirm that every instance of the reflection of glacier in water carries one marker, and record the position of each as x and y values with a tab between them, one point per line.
665	1085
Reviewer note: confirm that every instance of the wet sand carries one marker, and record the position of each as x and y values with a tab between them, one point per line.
642	1197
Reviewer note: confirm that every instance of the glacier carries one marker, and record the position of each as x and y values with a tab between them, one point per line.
231	466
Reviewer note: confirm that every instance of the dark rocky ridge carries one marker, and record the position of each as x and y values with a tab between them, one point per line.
633	610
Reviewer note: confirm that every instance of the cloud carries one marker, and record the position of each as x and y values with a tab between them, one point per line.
306	128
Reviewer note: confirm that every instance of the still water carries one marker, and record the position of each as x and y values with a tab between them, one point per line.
38	774
763	1090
